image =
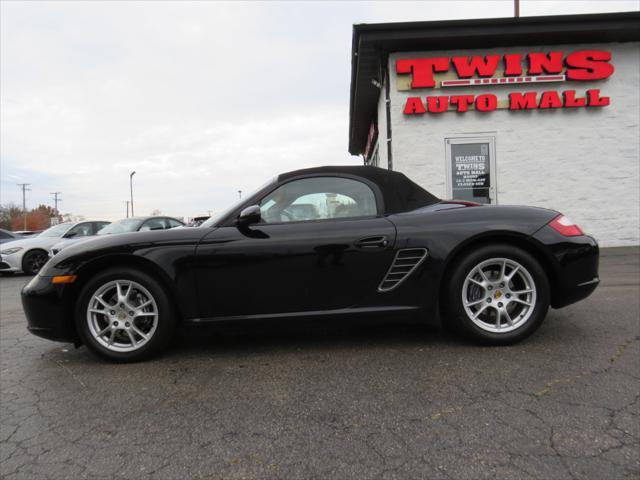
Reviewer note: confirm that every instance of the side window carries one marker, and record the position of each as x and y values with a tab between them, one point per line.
82	230
172	223
318	198
153	224
99	226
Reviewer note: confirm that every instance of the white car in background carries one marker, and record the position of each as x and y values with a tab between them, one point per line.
30	254
126	225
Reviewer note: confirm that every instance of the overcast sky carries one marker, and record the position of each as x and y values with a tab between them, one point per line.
201	99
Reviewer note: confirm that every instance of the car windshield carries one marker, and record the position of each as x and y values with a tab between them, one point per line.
215	218
57	231
121	226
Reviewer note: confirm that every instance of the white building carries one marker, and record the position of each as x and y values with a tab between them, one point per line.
540	111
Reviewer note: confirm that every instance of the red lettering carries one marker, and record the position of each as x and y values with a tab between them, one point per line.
512	64
570	99
519	101
422	70
414	106
487	102
438	104
589	65
595	100
467	67
462	101
550	100
548	62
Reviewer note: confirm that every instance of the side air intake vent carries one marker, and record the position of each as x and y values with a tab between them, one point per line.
406	261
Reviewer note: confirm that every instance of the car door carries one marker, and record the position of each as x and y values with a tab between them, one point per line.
322	244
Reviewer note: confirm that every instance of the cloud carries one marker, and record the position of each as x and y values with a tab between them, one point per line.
201	99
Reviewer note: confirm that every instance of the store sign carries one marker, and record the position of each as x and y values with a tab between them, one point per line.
509	70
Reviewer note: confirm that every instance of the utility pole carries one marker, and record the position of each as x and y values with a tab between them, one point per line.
516	8
56	200
24	202
131	187
127	202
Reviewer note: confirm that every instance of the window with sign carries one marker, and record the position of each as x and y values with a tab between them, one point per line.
471	169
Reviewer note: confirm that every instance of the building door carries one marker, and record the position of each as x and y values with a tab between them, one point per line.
471	169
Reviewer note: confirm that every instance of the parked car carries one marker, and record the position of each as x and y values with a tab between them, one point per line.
377	243
28	255
197	221
7	236
126	225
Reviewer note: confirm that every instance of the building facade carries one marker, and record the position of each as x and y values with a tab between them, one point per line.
542	111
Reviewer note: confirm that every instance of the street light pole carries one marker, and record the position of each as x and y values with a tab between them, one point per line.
127	202
131	187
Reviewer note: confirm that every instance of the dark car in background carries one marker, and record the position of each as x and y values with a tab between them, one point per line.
373	243
127	225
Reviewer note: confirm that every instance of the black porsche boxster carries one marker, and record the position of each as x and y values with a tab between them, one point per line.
321	242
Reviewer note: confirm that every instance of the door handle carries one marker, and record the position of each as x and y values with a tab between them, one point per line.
373	242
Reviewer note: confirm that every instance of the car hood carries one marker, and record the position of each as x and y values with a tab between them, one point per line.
122	243
64	243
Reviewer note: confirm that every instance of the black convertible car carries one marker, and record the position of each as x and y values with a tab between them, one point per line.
321	242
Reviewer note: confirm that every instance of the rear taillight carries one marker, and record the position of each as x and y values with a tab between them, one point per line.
565	226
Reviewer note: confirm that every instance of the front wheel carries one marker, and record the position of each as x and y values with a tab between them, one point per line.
124	315
497	295
33	261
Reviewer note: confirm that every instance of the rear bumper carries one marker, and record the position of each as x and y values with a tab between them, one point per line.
574	262
47	315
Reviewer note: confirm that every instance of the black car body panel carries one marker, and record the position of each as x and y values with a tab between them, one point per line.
225	271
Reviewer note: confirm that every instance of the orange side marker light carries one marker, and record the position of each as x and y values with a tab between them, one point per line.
64	279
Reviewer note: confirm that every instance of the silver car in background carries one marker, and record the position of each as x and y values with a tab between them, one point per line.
29	255
126	225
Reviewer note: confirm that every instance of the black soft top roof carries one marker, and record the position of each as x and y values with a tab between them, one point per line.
398	192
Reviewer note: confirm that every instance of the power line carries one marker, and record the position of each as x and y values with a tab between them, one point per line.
24	202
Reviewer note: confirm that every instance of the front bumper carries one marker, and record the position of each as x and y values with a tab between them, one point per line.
11	263
48	314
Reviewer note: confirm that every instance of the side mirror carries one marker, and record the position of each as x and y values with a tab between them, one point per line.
70	234
249	215
146	228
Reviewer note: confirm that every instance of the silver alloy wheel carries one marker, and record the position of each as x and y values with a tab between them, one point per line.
122	315
499	295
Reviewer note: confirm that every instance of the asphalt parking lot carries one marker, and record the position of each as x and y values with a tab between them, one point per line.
340	401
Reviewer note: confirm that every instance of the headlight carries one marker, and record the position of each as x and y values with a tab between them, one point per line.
9	251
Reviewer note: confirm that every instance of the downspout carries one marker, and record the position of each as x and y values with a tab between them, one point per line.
387	102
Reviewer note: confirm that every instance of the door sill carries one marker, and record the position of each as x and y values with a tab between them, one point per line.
309	313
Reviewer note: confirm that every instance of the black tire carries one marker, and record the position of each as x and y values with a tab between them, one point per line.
166	318
458	320
33	261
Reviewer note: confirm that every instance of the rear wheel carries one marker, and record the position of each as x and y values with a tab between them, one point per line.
33	261
497	294
124	315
